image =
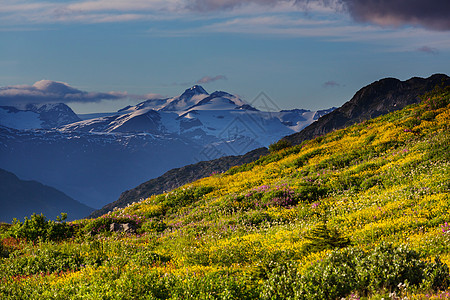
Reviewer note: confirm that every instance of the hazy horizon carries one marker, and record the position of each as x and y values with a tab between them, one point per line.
303	54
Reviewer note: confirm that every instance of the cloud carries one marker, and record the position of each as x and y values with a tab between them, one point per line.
47	91
331	83
428	50
209	5
431	14
208	79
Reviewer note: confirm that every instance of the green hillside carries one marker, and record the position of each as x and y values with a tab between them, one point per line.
359	213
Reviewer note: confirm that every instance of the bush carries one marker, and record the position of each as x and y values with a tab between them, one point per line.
255	218
280	145
322	237
43	260
154	226
282	282
311	192
436	275
3	252
384	268
331	278
388	266
37	227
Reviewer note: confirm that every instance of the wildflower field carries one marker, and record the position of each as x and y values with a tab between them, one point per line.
360	213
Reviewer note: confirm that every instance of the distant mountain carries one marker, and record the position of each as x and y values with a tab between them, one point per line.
20	198
96	157
88	166
37	116
220	123
378	98
189	98
296	119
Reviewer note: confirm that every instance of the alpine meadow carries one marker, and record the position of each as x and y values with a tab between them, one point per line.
359	213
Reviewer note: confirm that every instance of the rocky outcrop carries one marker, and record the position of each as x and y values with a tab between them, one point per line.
127	228
379	98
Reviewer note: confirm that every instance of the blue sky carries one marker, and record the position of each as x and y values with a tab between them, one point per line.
302	54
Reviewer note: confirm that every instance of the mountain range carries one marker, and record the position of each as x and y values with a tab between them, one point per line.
378	98
94	158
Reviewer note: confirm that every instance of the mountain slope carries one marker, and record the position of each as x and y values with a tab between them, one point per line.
19	198
361	212
376	99
379	98
178	177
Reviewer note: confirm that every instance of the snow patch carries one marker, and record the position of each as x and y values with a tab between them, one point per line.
19	119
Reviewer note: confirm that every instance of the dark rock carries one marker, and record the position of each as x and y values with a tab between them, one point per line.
126	227
379	98
114	227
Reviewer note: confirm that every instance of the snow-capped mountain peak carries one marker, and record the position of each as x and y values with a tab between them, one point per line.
218	101
189	98
36	116
194	90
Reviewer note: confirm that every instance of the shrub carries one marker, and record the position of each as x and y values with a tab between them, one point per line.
282	282
3	252
331	278
388	266
255	218
311	192
436	275
384	268
322	237
37	227
154	226
280	145
43	260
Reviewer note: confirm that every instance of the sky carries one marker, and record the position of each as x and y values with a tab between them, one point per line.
102	55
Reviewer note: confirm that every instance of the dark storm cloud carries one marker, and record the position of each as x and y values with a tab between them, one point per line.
432	14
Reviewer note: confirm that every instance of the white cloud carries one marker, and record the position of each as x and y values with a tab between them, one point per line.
208	79
47	91
125	6
325	19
